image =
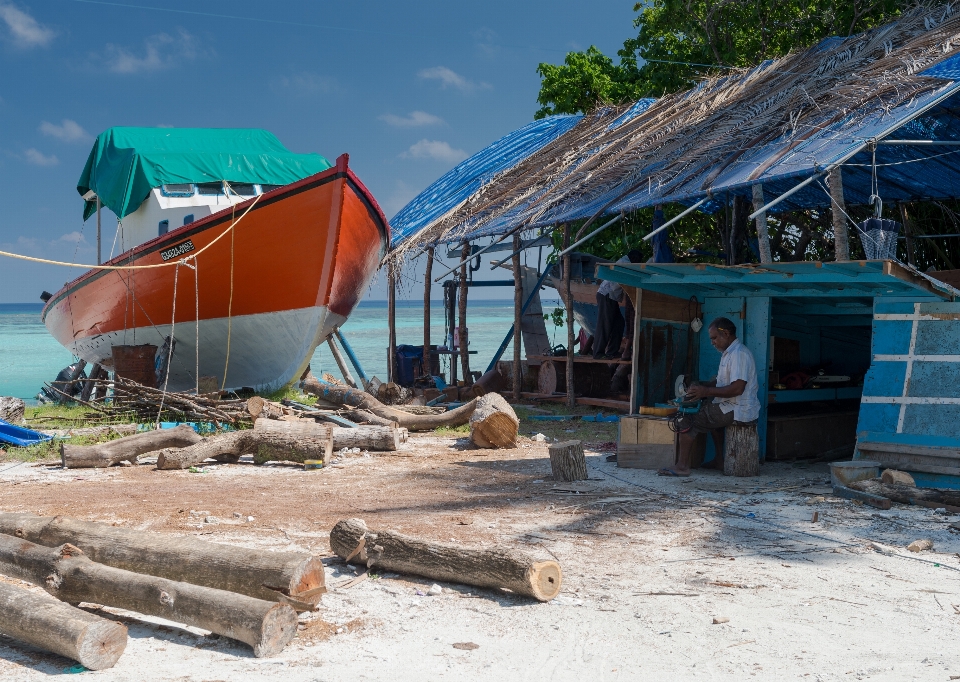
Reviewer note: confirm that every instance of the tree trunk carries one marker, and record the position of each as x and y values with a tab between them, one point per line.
517	316
839	208
741	450
294	578
46	623
265	446
494	424
464	333
489	568
68	574
365	417
127	448
763	234
365	437
567	461
342	395
391	322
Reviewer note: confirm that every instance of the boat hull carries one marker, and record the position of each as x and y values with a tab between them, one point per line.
301	259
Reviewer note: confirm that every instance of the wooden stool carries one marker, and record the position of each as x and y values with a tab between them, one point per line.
741	450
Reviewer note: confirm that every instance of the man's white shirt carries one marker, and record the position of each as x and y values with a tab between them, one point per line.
737	363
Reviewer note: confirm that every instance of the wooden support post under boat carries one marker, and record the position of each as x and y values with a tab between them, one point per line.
763	236
90	383
634	360
341	363
517	314
907	233
391	320
464	350
839	211
568	299
426	312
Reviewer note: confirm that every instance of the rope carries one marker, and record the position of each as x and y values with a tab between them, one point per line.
226	362
131	267
173	321
196	292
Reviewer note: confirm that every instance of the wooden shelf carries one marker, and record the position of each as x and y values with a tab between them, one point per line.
586	359
623	405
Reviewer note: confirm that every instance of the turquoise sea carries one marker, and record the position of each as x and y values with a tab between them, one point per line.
29	356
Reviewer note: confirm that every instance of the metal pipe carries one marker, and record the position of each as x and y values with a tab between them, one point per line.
353	356
789	192
673	220
341	363
474	255
592	234
494	264
938	143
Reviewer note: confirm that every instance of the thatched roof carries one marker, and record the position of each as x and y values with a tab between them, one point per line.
774	124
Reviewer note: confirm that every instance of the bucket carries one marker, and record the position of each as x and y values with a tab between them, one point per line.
136	363
845	473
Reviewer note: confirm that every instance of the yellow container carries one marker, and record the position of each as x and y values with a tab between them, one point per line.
309	464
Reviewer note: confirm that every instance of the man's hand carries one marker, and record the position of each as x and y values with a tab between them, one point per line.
699	392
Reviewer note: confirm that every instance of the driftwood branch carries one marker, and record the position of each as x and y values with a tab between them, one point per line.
127	448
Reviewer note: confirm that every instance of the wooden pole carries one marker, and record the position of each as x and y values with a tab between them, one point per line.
634	354
763	236
462	303
427	284
839	208
517	317
341	363
568	299
489	568
49	624
99	252
68	574
908	233
391	320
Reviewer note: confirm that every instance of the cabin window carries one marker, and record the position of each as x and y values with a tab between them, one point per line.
177	190
209	188
269	188
164	227
244	189
187	219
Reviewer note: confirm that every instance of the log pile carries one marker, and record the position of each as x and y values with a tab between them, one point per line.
247	595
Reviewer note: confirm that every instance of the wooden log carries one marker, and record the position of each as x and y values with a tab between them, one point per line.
265	447
567	461
489	568
46	623
517	314
69	575
366	417
365	437
293	578
741	450
127	448
571	390
489	382
547	378
11	409
907	494
494	424
260	407
342	395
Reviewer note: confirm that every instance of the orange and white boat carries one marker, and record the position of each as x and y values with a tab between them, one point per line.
249	310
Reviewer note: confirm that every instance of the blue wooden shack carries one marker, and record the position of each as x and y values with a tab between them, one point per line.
894	331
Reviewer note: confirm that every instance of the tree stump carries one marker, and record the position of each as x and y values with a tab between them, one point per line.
741	450
351	540
47	623
547	378
568	461
494	424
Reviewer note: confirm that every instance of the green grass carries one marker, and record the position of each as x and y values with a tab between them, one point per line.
451	431
50	450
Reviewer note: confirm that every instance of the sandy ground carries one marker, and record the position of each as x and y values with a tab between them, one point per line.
648	564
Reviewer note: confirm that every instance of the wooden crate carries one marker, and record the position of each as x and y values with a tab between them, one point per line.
645	443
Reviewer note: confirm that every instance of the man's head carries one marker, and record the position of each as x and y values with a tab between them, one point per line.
635	256
722	332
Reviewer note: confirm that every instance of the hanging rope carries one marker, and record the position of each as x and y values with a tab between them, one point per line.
173	321
226	362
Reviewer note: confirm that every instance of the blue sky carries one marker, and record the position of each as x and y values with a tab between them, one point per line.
407	89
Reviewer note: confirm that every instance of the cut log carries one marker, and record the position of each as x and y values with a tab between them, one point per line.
494	424
547	378
260	407
46	623
127	448
294	578
69	575
741	450
567	461
365	437
894	477
905	494
342	395
265	447
489	568
365	417
490	382
11	409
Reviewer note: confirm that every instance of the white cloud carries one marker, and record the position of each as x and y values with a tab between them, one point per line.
450	78
435	149
26	31
39	159
414	120
160	51
72	237
68	131
306	83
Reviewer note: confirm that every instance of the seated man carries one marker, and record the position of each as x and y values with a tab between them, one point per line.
734	393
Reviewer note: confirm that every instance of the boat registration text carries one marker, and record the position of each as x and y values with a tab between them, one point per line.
178	250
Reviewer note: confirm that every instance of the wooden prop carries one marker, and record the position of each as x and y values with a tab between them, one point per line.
567	461
68	574
46	623
489	568
342	395
517	314
741	450
364	437
127	448
294	578
494	424
265	447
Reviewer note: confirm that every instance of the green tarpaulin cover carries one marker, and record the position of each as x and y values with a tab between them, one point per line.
126	163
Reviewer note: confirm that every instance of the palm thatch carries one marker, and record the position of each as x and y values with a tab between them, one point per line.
683	142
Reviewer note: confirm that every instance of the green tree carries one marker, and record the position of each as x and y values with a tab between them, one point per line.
584	80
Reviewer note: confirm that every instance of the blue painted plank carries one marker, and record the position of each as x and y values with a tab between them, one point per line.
934	441
878	418
893	307
757	339
935	380
891	337
885	378
932	420
939	337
